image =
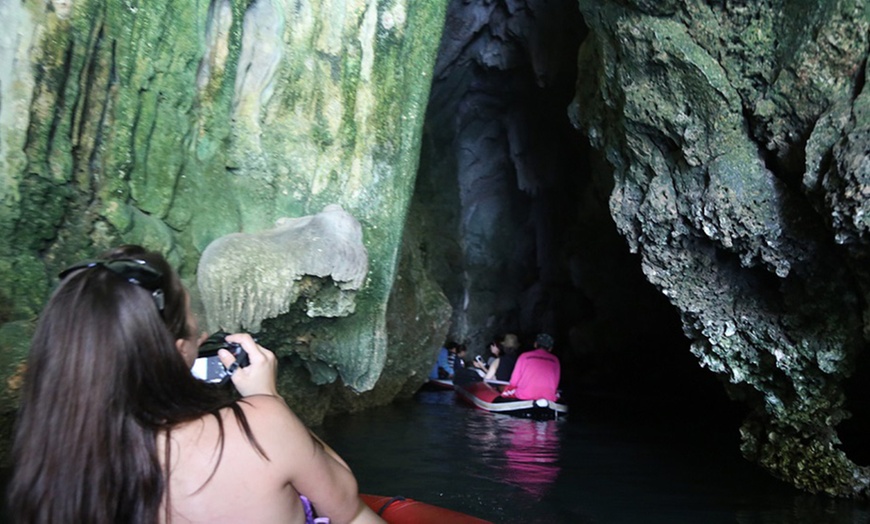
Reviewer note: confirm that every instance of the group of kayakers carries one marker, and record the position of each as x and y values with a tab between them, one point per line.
528	375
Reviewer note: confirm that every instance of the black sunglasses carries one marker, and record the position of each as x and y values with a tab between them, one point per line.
133	270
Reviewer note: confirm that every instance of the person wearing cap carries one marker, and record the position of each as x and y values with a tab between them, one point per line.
536	374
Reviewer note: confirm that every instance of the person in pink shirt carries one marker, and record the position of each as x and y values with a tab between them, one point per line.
536	374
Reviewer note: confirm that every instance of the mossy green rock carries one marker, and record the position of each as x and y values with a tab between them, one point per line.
171	123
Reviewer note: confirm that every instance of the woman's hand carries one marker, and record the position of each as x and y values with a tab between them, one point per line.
257	378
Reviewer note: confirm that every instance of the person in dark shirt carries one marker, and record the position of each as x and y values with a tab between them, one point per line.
504	357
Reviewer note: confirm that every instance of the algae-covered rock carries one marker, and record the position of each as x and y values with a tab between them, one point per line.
319	260
418	317
733	132
171	124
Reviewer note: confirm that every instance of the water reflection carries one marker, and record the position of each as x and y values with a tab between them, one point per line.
520	452
603	465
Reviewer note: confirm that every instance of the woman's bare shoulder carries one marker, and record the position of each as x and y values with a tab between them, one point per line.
263	414
260	404
301	459
274	426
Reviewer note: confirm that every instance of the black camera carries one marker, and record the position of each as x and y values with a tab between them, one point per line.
208	366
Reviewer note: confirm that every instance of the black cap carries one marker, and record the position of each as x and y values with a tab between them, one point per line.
544	340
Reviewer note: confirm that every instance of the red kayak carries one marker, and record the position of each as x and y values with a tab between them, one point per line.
399	510
481	396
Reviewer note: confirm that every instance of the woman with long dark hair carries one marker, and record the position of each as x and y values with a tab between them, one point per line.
503	357
113	427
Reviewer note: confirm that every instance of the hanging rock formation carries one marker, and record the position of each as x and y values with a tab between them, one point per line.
316	263
245	278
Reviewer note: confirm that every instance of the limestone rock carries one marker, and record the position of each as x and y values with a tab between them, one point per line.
244	278
171	124
706	115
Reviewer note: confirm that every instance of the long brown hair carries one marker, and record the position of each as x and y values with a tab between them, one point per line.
104	378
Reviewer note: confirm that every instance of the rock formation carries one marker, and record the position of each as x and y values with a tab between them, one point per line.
316	263
245	278
737	135
172	124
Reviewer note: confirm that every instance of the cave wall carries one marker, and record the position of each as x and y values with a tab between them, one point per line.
495	146
171	124
737	135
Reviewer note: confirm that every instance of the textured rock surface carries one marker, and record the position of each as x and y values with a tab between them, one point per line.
327	245
737	132
171	124
316	263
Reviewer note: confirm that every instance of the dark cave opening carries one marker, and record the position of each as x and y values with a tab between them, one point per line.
854	432
513	203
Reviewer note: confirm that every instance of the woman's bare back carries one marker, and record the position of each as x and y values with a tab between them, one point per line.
237	484
259	481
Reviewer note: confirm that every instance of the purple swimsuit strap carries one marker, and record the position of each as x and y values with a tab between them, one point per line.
309	512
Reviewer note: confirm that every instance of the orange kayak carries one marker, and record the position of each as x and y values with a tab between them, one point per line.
399	510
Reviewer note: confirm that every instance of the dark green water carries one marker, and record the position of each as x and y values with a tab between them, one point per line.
612	462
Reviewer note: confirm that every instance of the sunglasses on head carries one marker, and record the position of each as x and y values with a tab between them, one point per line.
133	270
